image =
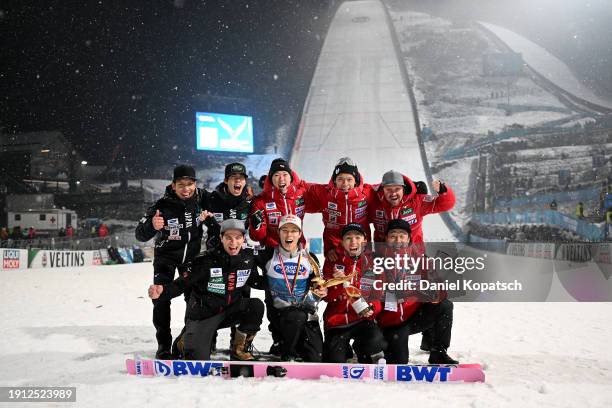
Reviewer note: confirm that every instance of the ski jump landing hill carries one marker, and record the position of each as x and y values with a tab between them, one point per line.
550	70
359	105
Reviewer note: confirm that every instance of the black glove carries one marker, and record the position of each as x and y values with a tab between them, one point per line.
213	242
257	219
442	188
186	271
212	223
421	187
306	307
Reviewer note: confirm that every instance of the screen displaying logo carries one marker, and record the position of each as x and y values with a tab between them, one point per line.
224	133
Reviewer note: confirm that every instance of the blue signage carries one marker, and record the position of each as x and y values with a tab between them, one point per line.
224	133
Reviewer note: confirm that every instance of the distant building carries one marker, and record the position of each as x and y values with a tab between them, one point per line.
36	158
44	221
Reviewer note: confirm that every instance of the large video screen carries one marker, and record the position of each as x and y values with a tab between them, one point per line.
220	132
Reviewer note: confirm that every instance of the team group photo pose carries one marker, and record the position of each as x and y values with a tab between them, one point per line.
215	247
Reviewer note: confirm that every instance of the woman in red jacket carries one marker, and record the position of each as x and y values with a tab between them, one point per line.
342	201
411	312
348	315
283	193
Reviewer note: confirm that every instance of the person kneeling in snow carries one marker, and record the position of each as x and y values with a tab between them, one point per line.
216	280
295	291
409	312
348	314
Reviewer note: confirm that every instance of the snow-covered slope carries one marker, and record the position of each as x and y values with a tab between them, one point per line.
358	106
75	327
547	64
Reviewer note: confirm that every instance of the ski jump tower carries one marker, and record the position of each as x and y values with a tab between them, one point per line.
359	106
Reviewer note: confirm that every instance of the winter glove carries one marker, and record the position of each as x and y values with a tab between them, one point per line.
442	188
257	219
306	307
421	187
212	223
213	242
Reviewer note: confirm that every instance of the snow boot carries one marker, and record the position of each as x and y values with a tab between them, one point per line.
275	349
163	353
241	346
440	357
178	348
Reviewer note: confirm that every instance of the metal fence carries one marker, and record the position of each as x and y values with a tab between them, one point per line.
588	231
119	239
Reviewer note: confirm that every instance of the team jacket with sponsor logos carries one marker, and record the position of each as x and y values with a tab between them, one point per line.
339	209
288	288
412	209
339	312
274	205
399	305
216	280
224	206
178	241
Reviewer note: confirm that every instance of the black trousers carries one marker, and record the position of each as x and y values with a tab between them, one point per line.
367	340
246	293
246	313
163	273
298	336
436	318
272	315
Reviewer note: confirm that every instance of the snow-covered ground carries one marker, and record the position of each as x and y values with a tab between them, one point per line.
462	106
547	64
445	61
76	326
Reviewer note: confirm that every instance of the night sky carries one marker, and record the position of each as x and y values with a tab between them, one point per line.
124	78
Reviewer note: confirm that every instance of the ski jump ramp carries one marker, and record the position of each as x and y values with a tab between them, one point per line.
358	106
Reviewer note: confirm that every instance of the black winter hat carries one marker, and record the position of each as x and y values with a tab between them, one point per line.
353	227
262	181
235	168
279	165
183	171
399	224
346	165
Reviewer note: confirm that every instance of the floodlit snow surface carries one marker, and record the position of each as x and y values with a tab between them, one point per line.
547	64
76	326
453	95
359	106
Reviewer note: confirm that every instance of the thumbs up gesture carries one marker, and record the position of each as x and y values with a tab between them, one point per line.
155	291
204	215
158	221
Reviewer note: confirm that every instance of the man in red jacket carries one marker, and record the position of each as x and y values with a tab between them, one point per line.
283	194
407	312
348	315
103	230
397	197
342	201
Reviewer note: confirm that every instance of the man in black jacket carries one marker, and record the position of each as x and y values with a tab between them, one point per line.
230	199
216	280
175	222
